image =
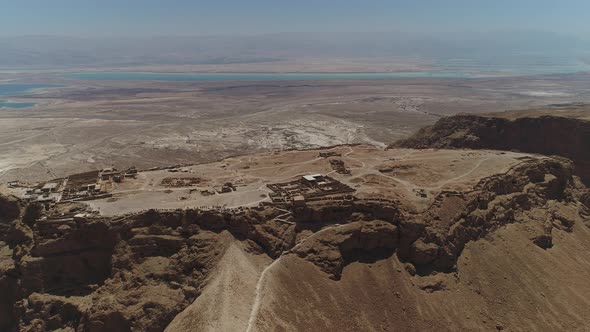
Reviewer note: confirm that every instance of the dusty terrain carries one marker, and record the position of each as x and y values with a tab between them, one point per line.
558	130
432	240
446	232
87	125
431	171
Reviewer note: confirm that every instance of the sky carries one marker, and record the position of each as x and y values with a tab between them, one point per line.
144	18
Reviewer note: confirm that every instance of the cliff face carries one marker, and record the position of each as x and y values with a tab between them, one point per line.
133	273
549	135
9	209
139	272
492	259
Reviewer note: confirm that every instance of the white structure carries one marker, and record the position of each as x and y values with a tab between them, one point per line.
88	187
314	178
49	187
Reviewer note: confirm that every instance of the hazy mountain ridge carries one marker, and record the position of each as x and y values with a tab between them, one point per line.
77	51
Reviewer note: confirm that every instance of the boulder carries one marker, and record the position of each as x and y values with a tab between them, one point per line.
423	253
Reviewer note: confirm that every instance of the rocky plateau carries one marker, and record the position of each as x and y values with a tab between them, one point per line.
510	254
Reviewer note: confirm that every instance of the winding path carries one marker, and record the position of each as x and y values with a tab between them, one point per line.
261	280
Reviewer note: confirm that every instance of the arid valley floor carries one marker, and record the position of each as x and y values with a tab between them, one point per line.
88	125
338	205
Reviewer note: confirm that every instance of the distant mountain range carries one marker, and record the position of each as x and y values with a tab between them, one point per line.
53	51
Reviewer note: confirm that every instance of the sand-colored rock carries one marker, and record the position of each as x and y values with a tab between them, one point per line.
357	241
503	252
549	131
224	304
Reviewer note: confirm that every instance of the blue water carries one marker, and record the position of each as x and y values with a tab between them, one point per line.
141	76
7	104
22	88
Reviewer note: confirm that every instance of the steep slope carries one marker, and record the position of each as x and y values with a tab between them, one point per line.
502	282
508	260
502	254
563	133
133	273
10	211
224	304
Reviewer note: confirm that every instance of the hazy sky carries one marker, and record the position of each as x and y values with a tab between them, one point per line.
198	17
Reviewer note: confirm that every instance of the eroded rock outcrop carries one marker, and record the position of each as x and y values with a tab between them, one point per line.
10	208
10	211
541	194
137	272
133	273
334	248
549	135
538	193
